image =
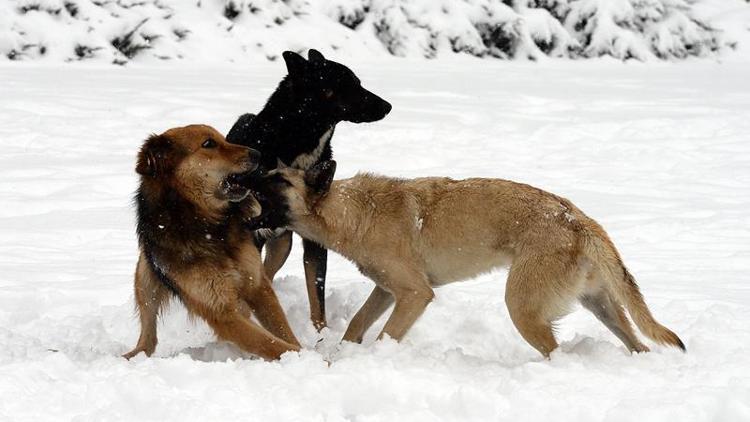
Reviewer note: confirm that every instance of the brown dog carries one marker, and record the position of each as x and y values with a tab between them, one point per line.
195	244
411	235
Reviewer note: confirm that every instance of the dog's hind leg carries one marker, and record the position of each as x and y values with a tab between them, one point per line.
375	305
277	251
535	297
266	307
536	330
612	315
316	261
150	296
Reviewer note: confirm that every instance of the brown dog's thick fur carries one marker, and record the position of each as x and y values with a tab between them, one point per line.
411	235
194	242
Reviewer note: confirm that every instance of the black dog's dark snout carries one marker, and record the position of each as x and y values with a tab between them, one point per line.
252	159
369	108
379	107
386	107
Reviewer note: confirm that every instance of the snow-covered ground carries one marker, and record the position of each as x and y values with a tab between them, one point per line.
658	153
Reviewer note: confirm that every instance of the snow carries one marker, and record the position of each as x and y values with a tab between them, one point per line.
657	153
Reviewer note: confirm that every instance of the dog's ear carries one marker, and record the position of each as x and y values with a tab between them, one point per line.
295	64
320	176
155	156
280	164
315	56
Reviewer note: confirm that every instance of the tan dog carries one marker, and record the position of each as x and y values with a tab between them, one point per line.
411	235
195	244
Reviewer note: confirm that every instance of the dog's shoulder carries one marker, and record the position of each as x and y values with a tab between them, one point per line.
367	181
370	190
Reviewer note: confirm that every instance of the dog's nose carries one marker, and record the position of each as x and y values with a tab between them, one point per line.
252	160
386	107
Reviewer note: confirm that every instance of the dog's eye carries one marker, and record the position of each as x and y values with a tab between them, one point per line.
209	143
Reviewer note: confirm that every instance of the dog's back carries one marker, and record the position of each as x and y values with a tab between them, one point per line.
459	227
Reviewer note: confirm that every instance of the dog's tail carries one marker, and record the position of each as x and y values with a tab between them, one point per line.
621	284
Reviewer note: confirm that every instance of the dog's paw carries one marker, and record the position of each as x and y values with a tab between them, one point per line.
132	353
148	351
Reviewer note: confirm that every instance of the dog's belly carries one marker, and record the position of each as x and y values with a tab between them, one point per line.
449	265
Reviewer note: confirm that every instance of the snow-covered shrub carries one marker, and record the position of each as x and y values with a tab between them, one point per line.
120	31
639	28
531	28
476	27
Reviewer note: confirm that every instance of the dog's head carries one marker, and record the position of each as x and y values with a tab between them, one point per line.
333	88
198	163
286	194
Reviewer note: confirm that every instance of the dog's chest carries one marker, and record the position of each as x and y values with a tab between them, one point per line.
306	160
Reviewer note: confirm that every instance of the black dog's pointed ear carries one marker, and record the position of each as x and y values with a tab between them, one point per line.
320	176
154	157
315	56
295	64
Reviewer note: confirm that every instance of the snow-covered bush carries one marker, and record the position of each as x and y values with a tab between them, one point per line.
119	31
639	28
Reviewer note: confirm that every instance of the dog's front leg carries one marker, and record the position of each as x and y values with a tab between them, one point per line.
150	296
373	308
232	326
266	307
220	305
316	261
412	293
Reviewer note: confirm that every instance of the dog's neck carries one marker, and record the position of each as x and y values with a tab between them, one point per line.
287	120
170	225
337	220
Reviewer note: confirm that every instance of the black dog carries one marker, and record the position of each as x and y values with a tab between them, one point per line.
295	127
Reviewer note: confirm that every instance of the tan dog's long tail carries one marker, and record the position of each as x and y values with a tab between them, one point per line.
621	284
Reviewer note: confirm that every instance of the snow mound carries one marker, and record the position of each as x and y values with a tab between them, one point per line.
118	31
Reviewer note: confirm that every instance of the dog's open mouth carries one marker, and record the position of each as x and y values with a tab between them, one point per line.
234	188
